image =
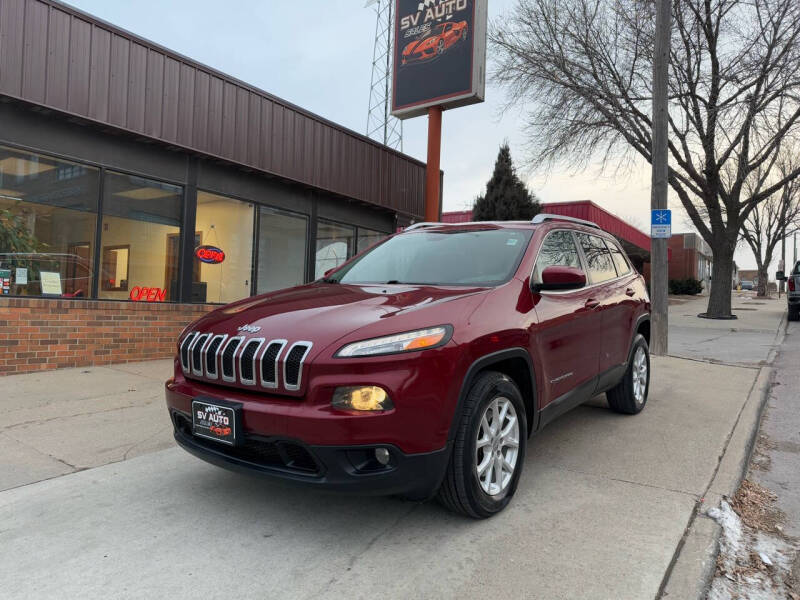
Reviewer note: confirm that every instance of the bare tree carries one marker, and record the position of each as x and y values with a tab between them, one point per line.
583	71
772	220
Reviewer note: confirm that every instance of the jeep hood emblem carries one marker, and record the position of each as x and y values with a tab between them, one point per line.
249	328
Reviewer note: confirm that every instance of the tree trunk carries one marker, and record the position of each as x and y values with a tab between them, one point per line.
763	281
719	301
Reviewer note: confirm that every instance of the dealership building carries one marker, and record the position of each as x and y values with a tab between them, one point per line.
139	188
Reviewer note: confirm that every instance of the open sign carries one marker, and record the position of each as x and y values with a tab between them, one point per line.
209	254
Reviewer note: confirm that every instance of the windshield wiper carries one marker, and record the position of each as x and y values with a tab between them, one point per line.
329	280
391	282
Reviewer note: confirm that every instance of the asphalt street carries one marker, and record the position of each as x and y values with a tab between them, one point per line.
602	506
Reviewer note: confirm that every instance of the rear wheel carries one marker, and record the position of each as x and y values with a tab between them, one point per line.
489	449
440	47
630	395
794	313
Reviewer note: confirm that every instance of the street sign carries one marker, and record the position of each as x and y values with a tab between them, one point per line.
661	223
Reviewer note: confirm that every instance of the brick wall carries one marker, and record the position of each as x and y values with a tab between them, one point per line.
38	334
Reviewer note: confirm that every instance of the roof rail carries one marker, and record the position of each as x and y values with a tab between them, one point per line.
423	225
542	217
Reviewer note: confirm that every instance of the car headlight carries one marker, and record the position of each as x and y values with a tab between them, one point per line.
421	339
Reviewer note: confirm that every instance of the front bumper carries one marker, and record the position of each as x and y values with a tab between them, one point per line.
349	469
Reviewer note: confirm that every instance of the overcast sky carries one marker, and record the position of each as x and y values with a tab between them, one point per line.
318	54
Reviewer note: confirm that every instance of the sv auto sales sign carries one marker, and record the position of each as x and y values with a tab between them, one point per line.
439	55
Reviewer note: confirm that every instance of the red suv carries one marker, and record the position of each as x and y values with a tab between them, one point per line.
421	366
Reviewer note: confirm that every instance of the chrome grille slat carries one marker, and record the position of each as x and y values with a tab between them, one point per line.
293	383
184	351
268	369
196	353
211	355
233	344
257	342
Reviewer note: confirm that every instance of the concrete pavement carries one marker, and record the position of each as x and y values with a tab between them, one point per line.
607	506
68	420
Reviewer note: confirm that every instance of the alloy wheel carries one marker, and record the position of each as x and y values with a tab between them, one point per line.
639	374
497	446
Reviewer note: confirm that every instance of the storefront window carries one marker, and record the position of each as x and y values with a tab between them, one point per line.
140	239
368	237
225	224
335	245
48	217
282	242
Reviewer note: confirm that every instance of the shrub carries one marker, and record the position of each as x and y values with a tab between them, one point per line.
685	287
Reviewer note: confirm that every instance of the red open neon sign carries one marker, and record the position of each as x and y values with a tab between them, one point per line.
209	254
148	294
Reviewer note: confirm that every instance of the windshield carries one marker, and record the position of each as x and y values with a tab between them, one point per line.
481	258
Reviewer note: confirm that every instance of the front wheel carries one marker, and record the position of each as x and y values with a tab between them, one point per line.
489	449
630	395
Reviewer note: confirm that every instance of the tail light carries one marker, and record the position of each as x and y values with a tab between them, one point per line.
791	284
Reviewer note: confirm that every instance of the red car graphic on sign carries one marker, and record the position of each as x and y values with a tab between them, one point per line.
434	44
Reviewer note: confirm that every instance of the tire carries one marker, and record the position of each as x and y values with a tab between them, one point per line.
629	396
440	47
793	314
463	490
464	34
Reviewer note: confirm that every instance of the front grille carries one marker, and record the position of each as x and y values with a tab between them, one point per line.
245	362
256	450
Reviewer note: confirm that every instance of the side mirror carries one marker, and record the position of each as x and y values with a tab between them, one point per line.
560	278
780	276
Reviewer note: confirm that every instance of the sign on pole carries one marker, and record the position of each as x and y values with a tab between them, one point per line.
439	55
661	224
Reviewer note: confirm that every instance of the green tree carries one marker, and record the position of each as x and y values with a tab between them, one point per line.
506	198
14	233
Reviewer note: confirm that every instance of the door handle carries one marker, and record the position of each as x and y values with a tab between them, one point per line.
630	292
592	303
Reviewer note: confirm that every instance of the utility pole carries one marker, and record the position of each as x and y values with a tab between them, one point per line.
659	341
432	182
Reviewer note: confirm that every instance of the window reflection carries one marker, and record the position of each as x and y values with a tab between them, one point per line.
558	249
598	258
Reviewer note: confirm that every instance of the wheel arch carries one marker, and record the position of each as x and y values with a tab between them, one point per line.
517	364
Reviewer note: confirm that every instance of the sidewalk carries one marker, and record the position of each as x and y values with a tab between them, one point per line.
68	420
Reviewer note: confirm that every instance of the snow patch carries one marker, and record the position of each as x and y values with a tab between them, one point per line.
751	564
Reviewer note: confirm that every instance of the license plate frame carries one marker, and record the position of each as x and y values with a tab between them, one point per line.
216	419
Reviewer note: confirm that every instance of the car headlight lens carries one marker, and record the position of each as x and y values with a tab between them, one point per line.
401	342
362	398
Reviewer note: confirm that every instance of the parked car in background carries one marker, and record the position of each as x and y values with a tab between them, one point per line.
421	366
792	292
747	284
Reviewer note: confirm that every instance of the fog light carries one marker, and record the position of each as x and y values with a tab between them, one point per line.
382	455
362	398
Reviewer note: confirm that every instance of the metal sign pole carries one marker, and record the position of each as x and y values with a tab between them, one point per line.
658	198
432	167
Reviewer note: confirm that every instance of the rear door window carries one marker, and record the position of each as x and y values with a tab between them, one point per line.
558	249
620	260
598	258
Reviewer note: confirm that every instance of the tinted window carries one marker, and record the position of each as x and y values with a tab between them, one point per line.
620	261
486	257
598	258
557	249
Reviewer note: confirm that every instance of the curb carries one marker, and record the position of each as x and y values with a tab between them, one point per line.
692	570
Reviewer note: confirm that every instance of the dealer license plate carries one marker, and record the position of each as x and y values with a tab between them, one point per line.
215	421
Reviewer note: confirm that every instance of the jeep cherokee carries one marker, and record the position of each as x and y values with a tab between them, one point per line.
421	366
